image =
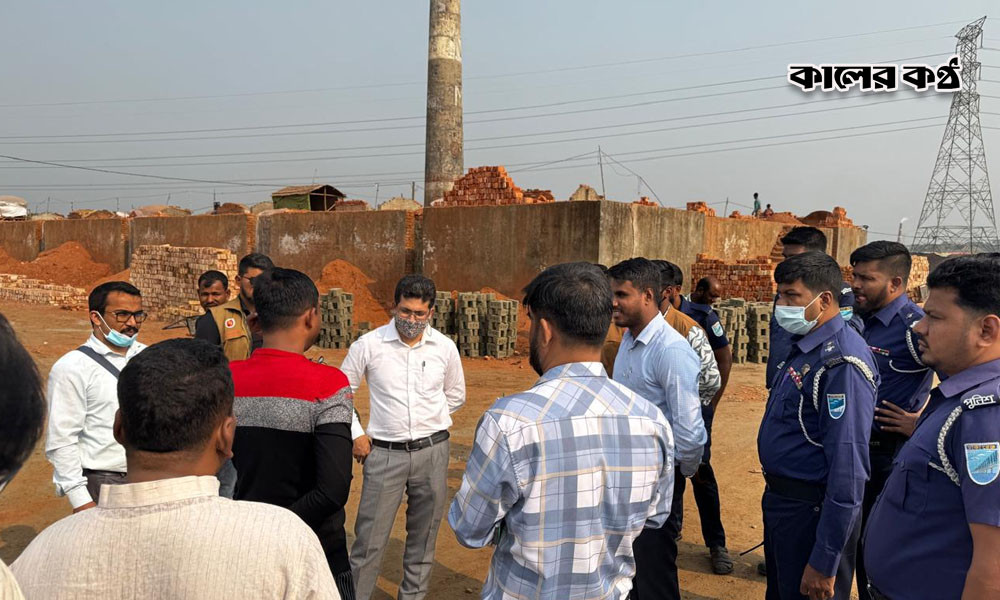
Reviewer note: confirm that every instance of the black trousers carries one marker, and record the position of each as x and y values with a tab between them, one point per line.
881	452
789	535
655	552
706	493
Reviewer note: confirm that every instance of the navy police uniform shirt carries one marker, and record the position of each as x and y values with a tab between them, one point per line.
780	341
818	431
705	316
917	541
906	382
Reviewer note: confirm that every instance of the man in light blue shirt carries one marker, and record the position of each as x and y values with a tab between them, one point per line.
655	362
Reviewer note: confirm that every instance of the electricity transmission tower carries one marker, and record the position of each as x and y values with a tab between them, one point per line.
958	210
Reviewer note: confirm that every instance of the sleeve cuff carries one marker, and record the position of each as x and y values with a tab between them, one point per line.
825	562
79	496
356	429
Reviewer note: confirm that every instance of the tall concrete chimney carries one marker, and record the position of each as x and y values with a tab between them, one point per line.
443	155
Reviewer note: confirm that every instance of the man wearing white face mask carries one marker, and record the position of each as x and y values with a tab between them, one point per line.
415	382
83	397
813	440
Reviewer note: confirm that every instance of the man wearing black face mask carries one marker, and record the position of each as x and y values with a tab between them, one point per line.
415	382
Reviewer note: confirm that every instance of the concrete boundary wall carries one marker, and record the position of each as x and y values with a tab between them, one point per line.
105	239
629	230
232	232
21	239
374	241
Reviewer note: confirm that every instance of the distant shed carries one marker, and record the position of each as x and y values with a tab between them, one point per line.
307	197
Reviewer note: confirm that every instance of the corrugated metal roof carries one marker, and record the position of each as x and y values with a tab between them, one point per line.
298	190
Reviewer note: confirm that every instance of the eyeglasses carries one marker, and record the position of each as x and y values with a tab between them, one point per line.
407	313
122	316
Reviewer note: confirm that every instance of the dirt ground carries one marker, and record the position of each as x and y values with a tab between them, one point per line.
29	503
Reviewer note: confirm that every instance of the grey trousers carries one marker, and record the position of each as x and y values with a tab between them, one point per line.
423	476
95	479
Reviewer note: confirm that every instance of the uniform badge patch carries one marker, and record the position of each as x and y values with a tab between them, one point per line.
717	329
847	312
983	461
979	400
836	404
230	323
830	346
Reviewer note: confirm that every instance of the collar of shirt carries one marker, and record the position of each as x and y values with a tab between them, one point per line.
149	493
391	334
889	311
685	303
648	332
970	378
578	369
103	349
814	338
280	354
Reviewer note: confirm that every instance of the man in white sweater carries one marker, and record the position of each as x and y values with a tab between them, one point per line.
165	532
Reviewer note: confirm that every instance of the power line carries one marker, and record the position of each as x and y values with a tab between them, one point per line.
474	77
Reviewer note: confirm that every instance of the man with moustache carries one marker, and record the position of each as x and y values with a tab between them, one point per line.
655	362
83	397
563	477
935	529
881	271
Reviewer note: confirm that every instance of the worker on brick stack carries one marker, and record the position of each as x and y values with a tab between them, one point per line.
704	484
655	362
83	397
228	325
213	289
881	271
756	206
768	212
415	383
813	439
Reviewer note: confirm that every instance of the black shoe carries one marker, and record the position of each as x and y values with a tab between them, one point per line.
762	569
722	563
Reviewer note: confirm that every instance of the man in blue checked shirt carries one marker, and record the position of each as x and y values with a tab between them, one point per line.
813	440
563	477
655	362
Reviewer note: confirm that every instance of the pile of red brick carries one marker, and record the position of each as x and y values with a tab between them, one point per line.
751	279
701	207
488	186
644	201
350	205
539	196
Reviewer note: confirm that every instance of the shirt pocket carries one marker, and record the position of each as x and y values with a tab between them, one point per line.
914	467
431	378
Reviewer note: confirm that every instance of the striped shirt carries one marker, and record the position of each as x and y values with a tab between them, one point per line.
562	479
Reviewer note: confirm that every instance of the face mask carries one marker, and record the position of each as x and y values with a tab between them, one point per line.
410	329
793	318
116	337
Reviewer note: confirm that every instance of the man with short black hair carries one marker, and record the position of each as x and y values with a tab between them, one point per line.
293	435
415	383
655	362
563	477
82	397
935	529
706	293
813	439
881	271
22	404
165	532
228	325
213	289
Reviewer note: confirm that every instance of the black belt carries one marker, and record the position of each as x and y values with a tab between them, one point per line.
886	442
875	594
797	489
414	445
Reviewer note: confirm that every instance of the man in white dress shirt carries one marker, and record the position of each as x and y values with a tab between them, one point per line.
415	382
83	397
166	532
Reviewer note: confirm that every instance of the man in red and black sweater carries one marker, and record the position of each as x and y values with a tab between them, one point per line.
293	419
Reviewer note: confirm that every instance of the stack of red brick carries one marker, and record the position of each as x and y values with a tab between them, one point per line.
350	205
538	196
644	201
484	186
701	207
751	279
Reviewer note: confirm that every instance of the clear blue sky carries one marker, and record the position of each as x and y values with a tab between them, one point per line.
366	61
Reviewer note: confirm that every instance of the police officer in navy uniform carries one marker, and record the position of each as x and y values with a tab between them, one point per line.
813	440
881	271
797	241
935	530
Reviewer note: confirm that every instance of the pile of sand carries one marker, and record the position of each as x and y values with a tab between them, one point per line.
342	274
68	264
